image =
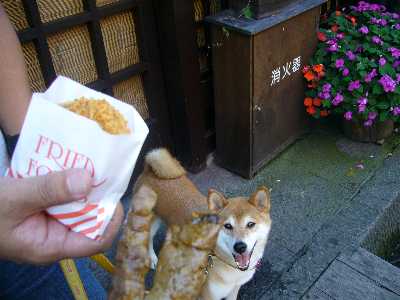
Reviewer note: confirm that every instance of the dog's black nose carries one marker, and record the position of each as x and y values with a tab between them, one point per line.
240	247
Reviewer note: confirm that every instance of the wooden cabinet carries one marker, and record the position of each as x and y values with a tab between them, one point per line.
260	8
258	83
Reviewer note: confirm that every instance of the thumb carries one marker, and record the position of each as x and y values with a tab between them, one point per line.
38	193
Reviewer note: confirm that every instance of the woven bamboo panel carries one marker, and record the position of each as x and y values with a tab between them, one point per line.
131	91
51	10
198	10
16	13
106	2
33	66
120	41
72	54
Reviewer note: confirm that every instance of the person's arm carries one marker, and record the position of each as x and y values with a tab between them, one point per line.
15	92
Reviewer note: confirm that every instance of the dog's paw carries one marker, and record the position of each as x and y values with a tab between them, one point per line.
153	261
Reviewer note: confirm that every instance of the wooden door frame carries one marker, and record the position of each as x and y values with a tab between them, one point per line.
176	30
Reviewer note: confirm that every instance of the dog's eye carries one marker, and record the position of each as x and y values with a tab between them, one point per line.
251	224
228	226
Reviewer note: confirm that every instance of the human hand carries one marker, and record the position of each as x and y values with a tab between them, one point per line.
28	234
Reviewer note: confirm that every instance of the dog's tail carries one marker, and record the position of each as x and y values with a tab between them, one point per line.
164	165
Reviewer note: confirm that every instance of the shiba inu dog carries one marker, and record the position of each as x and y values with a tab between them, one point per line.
246	222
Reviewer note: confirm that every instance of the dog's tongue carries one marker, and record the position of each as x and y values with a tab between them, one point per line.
242	260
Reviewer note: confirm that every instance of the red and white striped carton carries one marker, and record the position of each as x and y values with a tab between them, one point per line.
54	139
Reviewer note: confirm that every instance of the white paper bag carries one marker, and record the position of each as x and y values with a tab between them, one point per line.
55	139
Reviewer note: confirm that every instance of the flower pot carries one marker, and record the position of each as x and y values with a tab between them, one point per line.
355	130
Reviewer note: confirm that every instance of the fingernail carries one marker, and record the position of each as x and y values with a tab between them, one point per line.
78	183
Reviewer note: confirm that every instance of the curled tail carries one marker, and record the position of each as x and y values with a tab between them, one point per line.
164	165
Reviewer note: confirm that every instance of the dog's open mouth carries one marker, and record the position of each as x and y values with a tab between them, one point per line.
243	260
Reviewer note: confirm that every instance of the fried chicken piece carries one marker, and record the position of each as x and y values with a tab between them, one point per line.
108	118
181	269
132	260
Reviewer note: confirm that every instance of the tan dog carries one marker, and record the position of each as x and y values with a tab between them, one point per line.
246	222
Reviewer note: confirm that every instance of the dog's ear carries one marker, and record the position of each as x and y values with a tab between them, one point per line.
216	201
261	199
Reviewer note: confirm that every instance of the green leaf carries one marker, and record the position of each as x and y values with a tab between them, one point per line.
383	105
363	73
377	89
247	13
372	64
383	116
326	103
225	31
387	69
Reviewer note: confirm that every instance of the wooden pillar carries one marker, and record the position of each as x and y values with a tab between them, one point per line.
176	30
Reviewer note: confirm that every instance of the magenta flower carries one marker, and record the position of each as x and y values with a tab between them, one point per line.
395	52
362	104
354	85
396	64
324	95
368	123
396	111
338	99
372	115
371	75
397	26
376	21
339	63
364	29
340	36
382	61
398	78
348	115
388	84
333	48
345	72
326	87
362	101
363	6
350	55
377	40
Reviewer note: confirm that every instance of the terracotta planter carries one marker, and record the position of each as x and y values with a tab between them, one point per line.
356	130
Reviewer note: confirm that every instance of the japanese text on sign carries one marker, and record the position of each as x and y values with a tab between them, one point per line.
285	71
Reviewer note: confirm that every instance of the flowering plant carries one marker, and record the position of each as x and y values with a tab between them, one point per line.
355	71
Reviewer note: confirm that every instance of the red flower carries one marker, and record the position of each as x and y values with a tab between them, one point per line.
321	36
338	13
324	113
317	102
318	68
311	110
352	19
309	76
335	28
308	101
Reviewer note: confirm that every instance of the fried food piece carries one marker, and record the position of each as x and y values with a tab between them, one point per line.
109	119
183	259
132	260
